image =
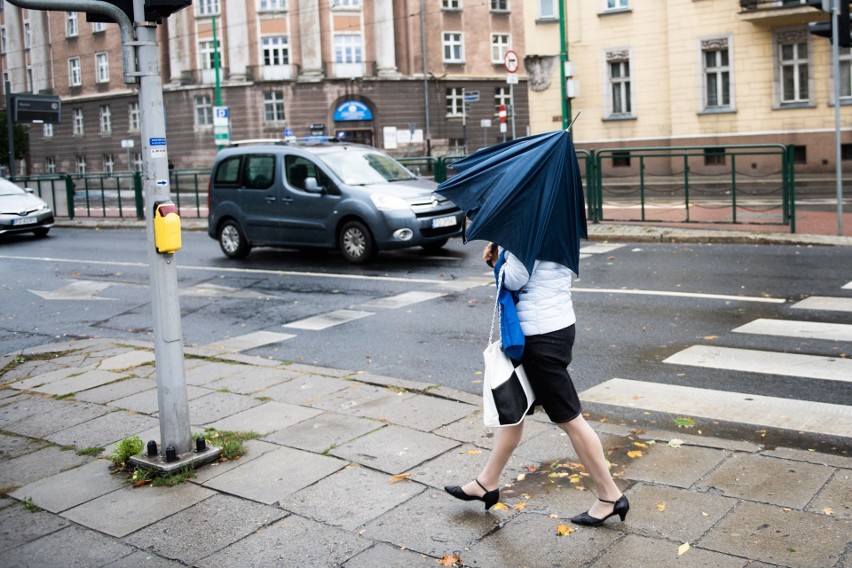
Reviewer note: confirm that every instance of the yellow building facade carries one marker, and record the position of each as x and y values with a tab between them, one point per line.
692	73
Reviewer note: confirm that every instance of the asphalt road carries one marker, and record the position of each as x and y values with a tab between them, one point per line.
83	283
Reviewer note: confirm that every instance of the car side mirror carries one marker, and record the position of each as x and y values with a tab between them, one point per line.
312	185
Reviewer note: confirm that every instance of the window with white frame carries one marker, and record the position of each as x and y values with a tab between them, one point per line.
75	73
845	73
499	5
30	78
28	38
106	119
500	44
3	39
451	4
273	106
81	164
455	101
50	164
109	164
347	48
348	4
203	110
717	74
618	64
207	7
102	67
71	27
98	27
271	5
616	5
275	50
546	10
137	161
134	119
501	97
453	47
207	53
48	129
794	68
77	122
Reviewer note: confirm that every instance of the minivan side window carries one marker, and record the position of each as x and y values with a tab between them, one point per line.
299	169
228	172
260	171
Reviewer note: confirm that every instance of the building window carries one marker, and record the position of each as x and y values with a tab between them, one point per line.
621	159
717	74
50	165
272	5
207	52
75	73
714	156
102	67
207	7
203	110
81	164
347	48
273	106
30	78
846	152
500	44
350	4
106	119
109	164
616	5
794	69
619	84
28	39
48	129
501	97
71	29
453	47
845	72
98	27
77	122
134	119
546	10
499	5
3	39
455	101
137	162
275	50
800	154
451	4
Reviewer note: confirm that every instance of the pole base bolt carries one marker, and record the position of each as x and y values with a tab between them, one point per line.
152	449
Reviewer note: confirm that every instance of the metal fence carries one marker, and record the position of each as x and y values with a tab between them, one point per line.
751	184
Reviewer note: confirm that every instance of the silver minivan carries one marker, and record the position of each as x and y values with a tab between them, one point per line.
325	195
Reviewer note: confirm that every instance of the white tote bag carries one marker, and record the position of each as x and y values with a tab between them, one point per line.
506	391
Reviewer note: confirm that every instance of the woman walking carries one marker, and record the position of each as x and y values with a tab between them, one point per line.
547	318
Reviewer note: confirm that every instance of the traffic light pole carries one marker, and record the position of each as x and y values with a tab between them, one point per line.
838	156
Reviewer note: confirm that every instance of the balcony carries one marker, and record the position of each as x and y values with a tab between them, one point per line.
348	70
776	13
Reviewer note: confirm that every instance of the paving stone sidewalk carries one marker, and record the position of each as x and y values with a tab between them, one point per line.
349	470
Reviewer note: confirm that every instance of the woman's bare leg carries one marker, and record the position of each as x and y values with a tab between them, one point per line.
588	446
506	439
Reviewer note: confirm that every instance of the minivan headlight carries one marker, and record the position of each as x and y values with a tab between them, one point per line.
389	202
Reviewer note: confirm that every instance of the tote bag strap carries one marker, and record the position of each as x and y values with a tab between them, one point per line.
496	303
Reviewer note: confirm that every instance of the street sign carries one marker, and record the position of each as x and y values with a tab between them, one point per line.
127	143
222	135
221	116
511	78
511	61
471	96
485	123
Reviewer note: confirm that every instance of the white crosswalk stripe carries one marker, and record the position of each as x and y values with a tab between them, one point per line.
847	286
248	341
827	303
325	321
800	329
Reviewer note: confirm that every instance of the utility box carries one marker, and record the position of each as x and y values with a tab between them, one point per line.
36	108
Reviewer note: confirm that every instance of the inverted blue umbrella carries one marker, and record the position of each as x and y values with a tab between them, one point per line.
526	195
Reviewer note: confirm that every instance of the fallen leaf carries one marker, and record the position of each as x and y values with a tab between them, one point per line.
574	478
519	506
661	507
474	452
399	477
640	445
501	507
705	514
786	509
711	337
521	476
682	548
564	530
635	454
675	442
828	511
450	560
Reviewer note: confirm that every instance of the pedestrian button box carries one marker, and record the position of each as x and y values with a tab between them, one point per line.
166	227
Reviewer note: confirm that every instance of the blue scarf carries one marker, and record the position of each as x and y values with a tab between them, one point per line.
511	333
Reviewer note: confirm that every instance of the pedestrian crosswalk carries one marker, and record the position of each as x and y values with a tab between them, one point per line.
751	406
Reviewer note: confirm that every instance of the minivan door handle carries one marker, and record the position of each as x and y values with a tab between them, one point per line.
270	199
287	199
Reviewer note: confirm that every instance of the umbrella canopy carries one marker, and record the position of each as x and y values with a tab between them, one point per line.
526	195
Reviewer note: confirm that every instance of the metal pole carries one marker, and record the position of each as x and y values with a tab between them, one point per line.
464	121
563	58
425	75
835	57
168	341
512	106
10	130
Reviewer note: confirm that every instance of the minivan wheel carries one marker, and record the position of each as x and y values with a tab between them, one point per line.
356	242
233	241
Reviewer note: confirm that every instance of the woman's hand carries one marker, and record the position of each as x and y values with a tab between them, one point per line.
489	255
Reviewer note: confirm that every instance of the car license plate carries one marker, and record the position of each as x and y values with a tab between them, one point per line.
444	222
24	221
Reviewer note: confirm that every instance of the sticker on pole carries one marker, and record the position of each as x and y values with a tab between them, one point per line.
158	147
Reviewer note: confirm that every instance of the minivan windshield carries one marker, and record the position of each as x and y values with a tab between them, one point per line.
363	167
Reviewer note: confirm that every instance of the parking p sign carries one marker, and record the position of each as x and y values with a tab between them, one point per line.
221	116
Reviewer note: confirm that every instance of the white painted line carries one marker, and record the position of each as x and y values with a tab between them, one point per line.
847	286
585	256
401	300
465	284
682	295
331	319
599	248
76	290
765	362
248	341
790	414
801	329
827	303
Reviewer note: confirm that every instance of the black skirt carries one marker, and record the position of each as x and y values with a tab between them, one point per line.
546	359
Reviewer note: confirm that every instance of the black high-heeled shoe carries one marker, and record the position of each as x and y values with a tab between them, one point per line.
490	498
621	506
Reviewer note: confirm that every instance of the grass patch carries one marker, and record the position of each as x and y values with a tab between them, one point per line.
64	396
230	442
30	506
684	422
176	478
90	451
126	449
